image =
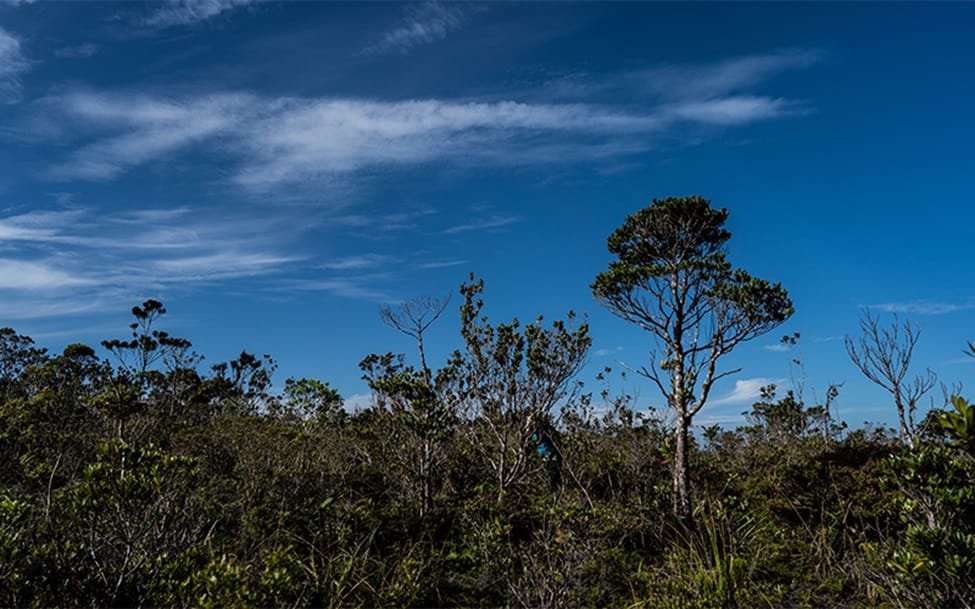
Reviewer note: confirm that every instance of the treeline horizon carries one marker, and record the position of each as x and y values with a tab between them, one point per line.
490	479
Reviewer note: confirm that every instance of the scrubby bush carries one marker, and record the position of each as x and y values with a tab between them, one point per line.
494	480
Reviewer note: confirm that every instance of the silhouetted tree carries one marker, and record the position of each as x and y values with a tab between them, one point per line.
671	278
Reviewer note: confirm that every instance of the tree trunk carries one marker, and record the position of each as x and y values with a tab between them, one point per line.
906	430
682	482
681	497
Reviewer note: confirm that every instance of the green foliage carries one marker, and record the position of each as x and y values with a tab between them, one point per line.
508	381
682	239
14	552
146	481
309	399
960	424
930	561
671	235
787	418
671	277
723	564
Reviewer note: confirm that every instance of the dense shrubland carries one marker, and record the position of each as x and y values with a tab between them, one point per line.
145	478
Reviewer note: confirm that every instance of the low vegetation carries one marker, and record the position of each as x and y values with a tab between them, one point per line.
494	479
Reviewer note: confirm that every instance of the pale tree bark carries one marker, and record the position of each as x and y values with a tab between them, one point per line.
883	355
683	508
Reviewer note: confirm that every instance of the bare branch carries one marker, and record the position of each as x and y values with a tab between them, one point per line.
883	355
412	318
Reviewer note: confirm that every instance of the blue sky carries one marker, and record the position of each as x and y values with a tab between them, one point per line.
275	171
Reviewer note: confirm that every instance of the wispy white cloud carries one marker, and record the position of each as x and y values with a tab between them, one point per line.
731	76
482	224
924	307
130	230
280	142
372	277
746	390
53	261
25	275
12	65
827	339
188	12
778	348
313	138
37	307
354	287
358	263
80	51
141	129
439	264
604	351
738	110
220	265
381	222
423	24
143	216
288	141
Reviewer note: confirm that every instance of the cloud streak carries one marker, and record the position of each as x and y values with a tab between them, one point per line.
924	307
281	142
189	12
731	76
677	83
52	260
310	139
274	143
79	260
34	276
482	224
81	51
12	65
141	129
358	263
423	24
731	111
440	264
353	287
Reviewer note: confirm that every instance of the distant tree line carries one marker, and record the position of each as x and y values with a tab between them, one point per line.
495	478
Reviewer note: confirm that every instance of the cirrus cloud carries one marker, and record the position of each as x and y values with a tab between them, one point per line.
12	65
423	24
264	142
189	12
924	307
